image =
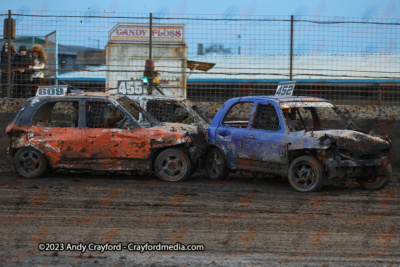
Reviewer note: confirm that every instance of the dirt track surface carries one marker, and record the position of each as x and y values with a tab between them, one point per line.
241	221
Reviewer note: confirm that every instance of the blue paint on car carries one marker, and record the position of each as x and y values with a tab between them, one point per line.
295	137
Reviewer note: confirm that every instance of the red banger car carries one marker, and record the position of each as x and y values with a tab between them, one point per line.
100	131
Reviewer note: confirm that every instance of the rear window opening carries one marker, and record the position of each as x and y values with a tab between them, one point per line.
57	114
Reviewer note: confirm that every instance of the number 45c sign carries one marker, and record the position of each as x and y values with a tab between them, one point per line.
285	89
130	87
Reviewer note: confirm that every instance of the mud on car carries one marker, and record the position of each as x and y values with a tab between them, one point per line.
307	140
100	131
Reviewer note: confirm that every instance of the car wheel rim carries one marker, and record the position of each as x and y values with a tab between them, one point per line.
30	162
215	164
304	175
173	168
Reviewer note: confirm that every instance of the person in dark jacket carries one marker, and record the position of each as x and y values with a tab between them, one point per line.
23	71
4	67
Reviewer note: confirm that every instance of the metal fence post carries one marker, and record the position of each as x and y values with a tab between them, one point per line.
9	73
291	47
151	36
379	96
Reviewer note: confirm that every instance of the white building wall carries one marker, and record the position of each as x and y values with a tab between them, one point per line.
126	61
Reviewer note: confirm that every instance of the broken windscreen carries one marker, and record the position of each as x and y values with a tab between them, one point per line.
137	112
314	116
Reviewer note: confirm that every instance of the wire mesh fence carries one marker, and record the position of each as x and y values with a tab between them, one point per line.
346	60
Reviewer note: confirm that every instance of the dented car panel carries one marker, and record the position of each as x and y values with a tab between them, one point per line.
278	132
99	131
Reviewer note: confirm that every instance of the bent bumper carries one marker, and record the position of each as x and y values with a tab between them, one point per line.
333	163
352	168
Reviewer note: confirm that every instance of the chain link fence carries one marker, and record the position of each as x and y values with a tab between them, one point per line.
346	60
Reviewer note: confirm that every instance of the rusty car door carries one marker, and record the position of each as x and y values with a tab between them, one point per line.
114	143
55	128
111	144
265	142
232	131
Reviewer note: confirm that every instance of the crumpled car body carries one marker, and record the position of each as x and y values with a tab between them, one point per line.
305	139
100	131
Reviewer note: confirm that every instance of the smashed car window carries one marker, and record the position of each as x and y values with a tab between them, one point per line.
101	114
57	114
140	115
239	115
267	118
166	111
309	118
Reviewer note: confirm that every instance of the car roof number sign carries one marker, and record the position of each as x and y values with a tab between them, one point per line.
55	90
285	89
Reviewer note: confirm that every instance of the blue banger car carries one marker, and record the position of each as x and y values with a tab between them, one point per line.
305	139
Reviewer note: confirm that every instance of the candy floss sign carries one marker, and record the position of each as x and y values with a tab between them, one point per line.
140	33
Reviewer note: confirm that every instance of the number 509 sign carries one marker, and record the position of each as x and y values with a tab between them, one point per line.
285	89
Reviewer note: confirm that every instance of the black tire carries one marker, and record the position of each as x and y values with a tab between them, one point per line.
379	179
30	163
306	174
215	165
172	165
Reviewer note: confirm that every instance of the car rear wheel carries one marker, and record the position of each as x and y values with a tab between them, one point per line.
216	165
377	178
30	163
172	165
306	174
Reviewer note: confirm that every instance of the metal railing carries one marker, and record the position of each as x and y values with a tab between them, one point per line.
346	60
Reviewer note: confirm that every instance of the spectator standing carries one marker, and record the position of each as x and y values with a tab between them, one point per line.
23	70
4	67
39	62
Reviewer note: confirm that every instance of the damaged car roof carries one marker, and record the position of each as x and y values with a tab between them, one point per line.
279	99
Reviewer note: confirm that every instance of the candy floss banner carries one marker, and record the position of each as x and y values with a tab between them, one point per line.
139	33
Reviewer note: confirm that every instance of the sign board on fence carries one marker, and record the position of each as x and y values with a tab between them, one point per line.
53	90
285	89
130	87
140	33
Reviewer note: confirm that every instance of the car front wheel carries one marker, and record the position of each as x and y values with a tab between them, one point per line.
216	165
306	174
30	163
377	178
172	165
